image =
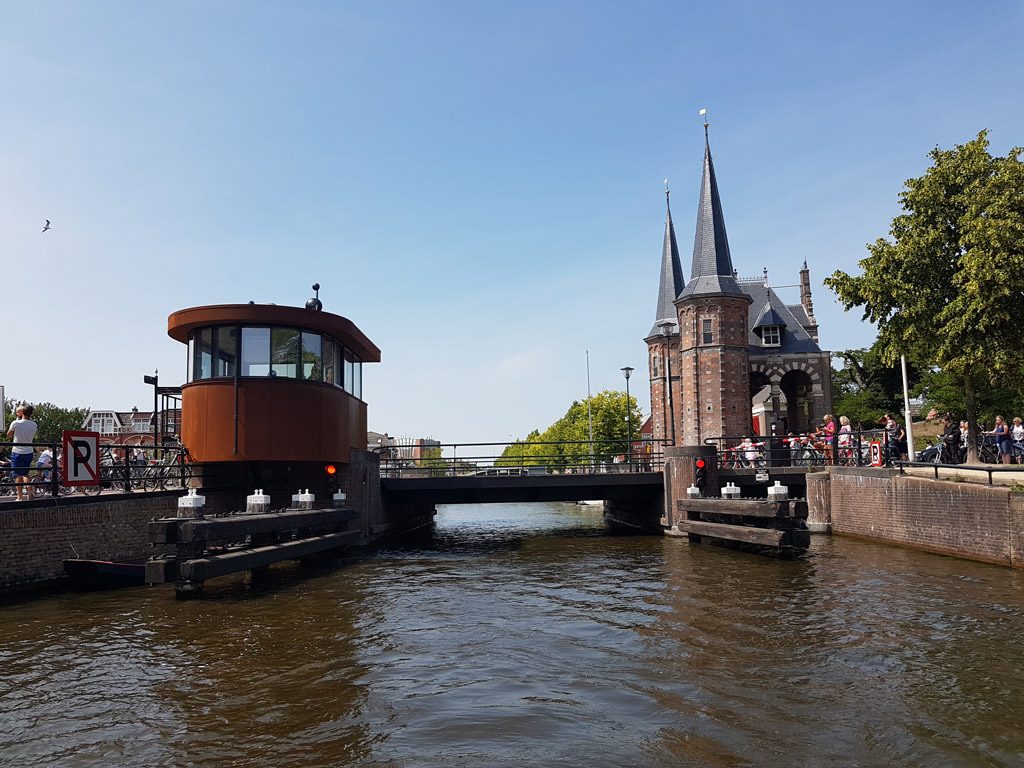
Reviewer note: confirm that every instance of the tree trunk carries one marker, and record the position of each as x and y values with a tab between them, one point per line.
972	412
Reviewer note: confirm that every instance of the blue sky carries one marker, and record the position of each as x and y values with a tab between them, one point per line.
477	185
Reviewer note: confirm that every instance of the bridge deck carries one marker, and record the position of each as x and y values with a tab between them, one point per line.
475	489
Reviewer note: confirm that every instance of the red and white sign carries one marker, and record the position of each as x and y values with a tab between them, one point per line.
81	463
876	454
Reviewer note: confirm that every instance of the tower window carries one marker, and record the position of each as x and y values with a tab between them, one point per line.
708	336
770	336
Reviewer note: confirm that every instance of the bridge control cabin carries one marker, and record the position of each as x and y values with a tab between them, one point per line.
273	388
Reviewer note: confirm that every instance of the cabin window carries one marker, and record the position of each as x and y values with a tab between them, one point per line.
771	336
329	361
204	354
291	353
226	346
255	351
349	372
284	352
312	356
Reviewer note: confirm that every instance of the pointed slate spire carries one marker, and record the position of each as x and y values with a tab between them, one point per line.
712	272
671	276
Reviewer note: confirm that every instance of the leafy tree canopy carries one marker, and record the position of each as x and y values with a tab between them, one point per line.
608	414
866	387
52	419
947	287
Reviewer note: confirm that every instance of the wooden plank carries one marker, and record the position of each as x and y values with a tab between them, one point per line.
764	536
164	531
161	571
748	507
210	567
239	526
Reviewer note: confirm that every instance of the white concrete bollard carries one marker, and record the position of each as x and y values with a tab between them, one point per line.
257	503
303	499
730	491
339	498
693	492
778	492
191	504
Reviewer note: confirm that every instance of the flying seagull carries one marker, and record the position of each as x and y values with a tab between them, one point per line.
47	226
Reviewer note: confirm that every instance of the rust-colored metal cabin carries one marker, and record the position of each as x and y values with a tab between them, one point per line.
270	383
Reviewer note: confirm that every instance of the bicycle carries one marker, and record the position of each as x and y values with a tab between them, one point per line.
170	472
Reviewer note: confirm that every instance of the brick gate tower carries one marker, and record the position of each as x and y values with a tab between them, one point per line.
726	355
712	317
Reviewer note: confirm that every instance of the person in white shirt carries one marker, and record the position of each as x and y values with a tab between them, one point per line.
22	433
1017	433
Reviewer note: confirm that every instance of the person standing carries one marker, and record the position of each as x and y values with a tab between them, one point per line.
22	433
830	430
1017	435
1002	436
845	440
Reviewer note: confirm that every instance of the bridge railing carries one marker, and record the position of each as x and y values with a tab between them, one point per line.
851	449
122	468
502	459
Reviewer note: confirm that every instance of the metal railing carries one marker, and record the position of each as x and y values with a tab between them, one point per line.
989	469
850	449
122	468
503	459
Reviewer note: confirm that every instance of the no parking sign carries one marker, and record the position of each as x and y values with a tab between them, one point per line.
81	464
876	454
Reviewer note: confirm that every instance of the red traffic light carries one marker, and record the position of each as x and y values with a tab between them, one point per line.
699	464
330	469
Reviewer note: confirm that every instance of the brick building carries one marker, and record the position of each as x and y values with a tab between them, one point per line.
726	355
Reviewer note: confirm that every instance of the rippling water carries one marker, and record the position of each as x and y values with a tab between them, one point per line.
524	635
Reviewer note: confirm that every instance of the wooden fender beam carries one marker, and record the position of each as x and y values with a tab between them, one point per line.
764	536
212	566
238	526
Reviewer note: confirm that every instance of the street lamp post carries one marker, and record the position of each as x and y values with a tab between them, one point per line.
629	422
670	417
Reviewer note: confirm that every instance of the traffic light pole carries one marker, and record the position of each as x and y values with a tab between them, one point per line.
681	473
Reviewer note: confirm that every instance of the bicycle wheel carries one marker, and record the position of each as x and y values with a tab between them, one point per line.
154	479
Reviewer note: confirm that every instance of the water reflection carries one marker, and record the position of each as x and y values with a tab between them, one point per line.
526	635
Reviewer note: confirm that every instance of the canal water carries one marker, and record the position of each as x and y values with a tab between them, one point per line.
525	635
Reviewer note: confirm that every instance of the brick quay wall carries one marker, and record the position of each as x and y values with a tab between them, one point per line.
36	536
969	520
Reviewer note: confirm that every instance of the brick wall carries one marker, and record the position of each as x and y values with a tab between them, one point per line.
714	377
37	536
967	520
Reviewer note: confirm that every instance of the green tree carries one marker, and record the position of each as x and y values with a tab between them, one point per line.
866	387
945	392
432	460
572	434
946	288
52	419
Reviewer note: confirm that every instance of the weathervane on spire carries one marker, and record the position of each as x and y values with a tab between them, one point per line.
666	190
704	113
